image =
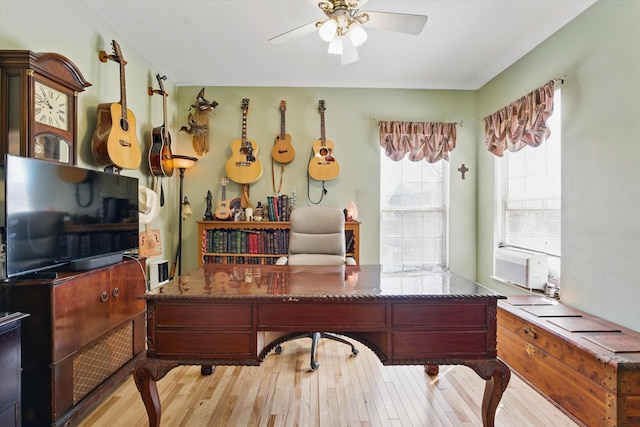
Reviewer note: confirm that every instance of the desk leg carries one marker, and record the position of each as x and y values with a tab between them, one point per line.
497	376
147	372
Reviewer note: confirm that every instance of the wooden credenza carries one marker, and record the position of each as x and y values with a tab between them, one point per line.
587	366
85	333
250	242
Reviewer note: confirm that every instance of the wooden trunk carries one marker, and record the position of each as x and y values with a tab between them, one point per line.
587	366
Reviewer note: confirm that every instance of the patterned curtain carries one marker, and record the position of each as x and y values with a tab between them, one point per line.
522	123
420	140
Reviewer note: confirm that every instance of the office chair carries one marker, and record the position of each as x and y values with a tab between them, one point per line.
317	237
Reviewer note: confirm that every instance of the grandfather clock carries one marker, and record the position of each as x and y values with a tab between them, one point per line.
39	105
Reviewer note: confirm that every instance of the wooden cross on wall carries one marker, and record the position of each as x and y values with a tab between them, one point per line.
463	170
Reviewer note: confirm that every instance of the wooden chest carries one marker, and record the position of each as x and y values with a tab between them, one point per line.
587	366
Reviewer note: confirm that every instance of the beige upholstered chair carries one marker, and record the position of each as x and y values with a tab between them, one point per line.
317	238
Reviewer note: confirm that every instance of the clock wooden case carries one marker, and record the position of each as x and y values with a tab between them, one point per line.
38	105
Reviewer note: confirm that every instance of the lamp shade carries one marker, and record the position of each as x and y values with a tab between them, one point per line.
183	162
335	46
357	34
186	210
327	30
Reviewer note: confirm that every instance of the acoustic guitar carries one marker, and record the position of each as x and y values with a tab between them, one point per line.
323	166
223	211
243	167
282	151
114	142
160	156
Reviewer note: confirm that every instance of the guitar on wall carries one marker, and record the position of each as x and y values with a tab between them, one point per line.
323	166
160	156
114	141
282	151
223	212
243	167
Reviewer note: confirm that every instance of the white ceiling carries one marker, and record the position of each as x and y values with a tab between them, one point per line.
464	44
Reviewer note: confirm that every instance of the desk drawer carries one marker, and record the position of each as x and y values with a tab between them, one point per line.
204	345
348	317
439	316
205	315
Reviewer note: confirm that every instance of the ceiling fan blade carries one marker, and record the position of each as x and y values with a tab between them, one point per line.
293	34
349	52
398	22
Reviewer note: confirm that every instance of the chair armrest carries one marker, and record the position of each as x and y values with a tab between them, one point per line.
283	260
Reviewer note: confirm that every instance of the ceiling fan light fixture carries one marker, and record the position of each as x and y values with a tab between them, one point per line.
357	34
328	29
335	46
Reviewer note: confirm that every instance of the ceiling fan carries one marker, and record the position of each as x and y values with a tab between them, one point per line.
343	27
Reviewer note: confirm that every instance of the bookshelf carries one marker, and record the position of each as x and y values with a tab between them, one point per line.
250	242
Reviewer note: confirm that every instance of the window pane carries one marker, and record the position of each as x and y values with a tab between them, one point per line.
532	190
413	226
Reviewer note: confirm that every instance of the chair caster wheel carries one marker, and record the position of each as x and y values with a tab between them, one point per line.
314	366
278	349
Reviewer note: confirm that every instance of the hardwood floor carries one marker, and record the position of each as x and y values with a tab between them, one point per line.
344	391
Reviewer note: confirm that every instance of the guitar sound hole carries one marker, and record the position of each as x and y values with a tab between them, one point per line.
324	151
124	125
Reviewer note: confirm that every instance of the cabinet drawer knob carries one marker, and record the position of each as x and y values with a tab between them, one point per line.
530	330
104	297
116	292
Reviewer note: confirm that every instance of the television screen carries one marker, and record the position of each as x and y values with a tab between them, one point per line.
57	214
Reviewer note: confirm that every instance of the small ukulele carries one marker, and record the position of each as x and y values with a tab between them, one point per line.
160	156
282	151
115	142
323	166
222	210
243	167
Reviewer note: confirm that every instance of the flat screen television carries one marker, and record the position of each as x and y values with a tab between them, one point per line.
59	217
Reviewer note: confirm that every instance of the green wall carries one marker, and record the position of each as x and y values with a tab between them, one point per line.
599	51
349	123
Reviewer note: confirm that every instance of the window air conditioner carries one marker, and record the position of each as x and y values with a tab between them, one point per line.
523	268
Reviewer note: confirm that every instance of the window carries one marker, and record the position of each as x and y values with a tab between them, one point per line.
413	213
531	191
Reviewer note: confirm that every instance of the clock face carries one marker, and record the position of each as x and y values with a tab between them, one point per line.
51	107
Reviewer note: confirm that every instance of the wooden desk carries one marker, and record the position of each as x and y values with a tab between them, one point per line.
224	314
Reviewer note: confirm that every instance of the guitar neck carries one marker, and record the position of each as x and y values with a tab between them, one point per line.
164	109
123	90
224	192
322	136
282	132
244	129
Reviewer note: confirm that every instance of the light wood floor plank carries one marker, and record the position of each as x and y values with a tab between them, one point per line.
344	391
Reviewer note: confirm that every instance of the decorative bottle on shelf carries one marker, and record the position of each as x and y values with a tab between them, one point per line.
258	214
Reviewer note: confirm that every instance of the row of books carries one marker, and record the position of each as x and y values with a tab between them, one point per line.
236	241
217	259
278	208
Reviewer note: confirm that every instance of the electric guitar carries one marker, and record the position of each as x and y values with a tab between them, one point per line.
160	156
243	167
323	166
114	142
222	210
282	151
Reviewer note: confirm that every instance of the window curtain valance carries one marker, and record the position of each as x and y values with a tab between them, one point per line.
420	140
522	123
